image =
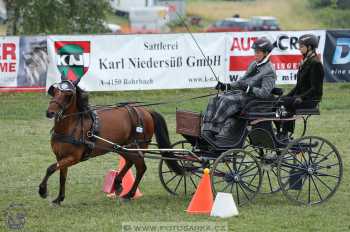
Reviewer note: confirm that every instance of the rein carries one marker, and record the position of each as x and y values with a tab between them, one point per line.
139	104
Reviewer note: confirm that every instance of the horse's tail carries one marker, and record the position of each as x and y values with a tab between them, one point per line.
163	140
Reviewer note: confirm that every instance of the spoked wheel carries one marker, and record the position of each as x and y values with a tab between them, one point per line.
260	144
310	170
184	183
237	172
268	160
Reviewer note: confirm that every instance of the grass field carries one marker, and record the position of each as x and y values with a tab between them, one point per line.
25	154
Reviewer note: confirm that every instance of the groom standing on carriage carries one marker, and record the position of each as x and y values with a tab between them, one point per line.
257	83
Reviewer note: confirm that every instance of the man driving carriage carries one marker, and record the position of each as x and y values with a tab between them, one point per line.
308	91
256	83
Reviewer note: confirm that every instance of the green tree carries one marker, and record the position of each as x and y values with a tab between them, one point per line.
32	17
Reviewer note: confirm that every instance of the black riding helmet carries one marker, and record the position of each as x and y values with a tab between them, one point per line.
308	40
263	44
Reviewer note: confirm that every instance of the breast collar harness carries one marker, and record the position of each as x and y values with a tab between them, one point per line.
82	140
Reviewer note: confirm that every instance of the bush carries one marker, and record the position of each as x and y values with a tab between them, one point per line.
56	16
335	18
320	3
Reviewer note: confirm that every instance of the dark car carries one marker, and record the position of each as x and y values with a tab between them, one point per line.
264	23
229	24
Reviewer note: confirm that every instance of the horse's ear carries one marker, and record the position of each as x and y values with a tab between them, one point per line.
50	91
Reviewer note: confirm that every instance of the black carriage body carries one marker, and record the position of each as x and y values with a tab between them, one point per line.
257	160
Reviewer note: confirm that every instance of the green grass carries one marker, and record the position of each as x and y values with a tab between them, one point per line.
25	154
291	14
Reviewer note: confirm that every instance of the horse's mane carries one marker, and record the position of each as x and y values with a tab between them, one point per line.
82	99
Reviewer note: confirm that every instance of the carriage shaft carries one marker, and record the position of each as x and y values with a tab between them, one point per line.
124	149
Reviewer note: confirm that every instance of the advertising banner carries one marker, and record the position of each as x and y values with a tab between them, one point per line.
137	62
23	64
158	61
285	56
337	56
9	61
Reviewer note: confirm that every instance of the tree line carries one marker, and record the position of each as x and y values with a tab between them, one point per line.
34	17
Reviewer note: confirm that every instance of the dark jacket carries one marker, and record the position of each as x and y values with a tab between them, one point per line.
309	80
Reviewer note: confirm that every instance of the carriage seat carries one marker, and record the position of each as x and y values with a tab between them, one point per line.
262	108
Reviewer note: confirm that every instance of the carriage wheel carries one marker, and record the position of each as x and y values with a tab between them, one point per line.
268	159
181	184
310	170
237	171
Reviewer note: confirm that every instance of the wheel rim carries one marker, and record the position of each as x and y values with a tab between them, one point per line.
310	170
185	184
237	172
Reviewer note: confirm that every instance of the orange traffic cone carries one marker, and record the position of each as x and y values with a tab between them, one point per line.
127	182
202	201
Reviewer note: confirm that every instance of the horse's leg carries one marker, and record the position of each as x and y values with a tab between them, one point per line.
61	194
140	170
118	180
62	164
43	185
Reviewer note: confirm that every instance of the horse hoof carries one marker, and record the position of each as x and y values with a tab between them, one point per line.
56	203
42	192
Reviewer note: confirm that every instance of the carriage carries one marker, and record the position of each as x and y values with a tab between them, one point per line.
308	169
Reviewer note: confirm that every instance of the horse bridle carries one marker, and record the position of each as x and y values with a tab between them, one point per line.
64	86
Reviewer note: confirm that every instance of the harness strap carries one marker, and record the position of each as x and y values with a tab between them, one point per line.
88	143
137	123
140	122
67	139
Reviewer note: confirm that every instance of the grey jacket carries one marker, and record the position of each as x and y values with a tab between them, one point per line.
260	78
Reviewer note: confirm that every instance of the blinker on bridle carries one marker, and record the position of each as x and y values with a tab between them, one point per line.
64	86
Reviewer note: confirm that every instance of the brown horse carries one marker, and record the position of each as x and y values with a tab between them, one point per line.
71	144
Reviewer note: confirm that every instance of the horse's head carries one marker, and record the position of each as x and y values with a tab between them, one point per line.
63	98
